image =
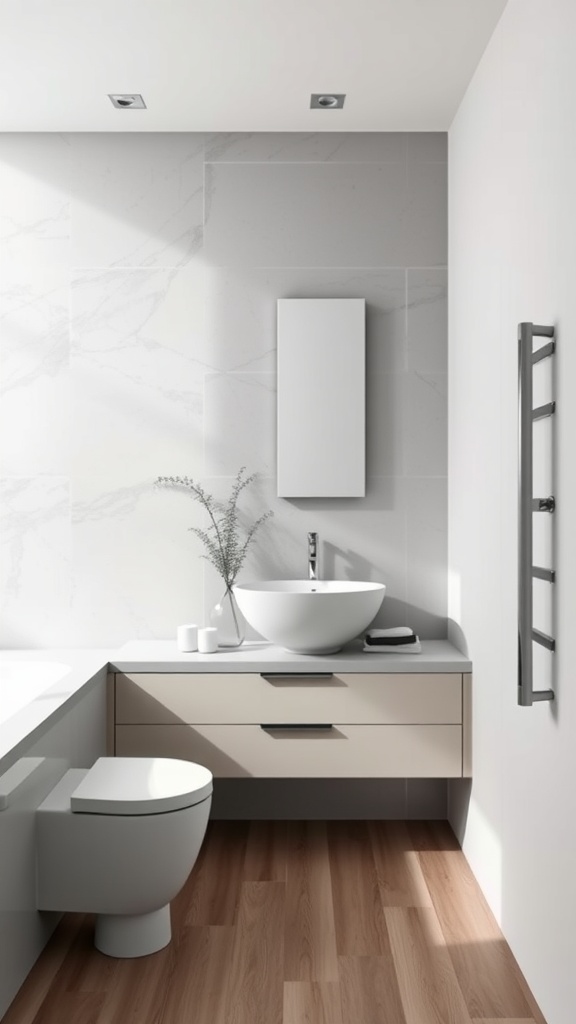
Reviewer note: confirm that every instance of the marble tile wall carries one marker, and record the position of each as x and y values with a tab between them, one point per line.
138	282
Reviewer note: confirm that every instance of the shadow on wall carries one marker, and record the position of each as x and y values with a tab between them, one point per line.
153	193
457	637
173	365
281	552
459	796
459	790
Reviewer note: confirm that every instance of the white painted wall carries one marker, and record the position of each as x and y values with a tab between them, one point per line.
512	213
139	276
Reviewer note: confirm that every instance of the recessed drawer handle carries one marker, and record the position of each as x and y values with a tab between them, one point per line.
296	725
296	675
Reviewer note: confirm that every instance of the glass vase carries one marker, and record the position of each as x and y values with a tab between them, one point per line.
227	618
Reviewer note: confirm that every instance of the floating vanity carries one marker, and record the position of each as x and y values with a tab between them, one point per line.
260	712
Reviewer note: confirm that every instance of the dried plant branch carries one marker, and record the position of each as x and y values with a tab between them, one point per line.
226	548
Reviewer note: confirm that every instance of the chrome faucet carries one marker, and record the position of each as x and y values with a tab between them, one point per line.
312	556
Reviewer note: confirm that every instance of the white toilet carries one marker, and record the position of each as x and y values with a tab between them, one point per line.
119	840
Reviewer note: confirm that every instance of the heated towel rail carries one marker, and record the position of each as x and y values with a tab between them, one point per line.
527	505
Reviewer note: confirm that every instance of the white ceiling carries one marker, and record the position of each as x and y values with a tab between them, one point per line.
238	65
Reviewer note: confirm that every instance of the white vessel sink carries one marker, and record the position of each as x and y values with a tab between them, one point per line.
309	616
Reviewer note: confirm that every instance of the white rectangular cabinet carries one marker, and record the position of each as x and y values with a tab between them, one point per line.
321	398
358	725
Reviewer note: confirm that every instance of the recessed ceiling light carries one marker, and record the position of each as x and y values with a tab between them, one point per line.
127	100
327	100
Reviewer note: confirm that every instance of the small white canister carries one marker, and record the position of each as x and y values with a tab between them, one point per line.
208	640
187	638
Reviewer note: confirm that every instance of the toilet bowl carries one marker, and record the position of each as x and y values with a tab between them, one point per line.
119	840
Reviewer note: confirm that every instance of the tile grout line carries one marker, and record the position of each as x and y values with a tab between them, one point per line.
404	162
197	260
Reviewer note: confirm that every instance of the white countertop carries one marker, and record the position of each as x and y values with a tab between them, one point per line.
258	656
86	667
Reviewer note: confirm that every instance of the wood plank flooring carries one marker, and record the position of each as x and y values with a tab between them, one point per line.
300	923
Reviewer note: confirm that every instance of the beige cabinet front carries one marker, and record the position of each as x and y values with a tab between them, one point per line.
343	751
249	698
358	725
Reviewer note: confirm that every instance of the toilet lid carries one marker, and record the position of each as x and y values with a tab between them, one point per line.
141	785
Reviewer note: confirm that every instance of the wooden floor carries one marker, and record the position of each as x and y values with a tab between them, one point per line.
300	923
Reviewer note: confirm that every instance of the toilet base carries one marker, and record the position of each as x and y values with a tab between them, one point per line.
126	935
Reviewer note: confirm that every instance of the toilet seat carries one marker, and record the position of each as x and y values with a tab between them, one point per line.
141	785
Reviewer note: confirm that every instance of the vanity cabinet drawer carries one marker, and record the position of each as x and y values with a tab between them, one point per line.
345	751
248	698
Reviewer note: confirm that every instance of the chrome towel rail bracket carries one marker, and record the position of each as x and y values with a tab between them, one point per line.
544	504
527	504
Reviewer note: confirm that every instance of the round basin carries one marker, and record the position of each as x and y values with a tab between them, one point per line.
309	616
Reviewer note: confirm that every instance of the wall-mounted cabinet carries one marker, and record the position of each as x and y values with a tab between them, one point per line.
348	725
321	398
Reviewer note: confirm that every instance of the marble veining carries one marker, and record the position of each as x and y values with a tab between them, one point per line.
34	200
140	274
283	214
147	530
35	563
305	147
34	383
136	203
311	147
239	423
241	314
137	372
426	319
